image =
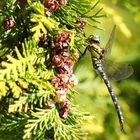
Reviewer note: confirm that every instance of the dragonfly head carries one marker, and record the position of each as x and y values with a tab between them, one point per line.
94	39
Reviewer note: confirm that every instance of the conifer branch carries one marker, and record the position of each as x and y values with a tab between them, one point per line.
39	45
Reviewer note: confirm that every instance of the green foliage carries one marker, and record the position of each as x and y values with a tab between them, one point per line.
76	10
25	73
42	23
43	120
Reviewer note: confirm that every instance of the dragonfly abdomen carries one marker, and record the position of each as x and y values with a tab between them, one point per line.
98	66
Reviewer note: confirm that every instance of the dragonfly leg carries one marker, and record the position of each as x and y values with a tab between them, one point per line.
88	48
96	50
84	53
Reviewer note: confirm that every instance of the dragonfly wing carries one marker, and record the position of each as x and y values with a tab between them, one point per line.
118	71
108	46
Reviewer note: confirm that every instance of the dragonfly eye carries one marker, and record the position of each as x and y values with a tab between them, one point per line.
94	39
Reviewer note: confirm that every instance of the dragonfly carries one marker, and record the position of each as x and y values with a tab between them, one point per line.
119	71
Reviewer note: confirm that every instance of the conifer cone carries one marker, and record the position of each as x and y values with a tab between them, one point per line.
47	12
8	23
61	59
